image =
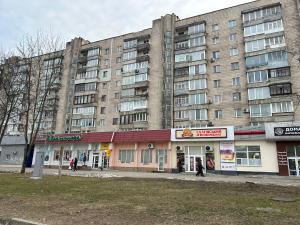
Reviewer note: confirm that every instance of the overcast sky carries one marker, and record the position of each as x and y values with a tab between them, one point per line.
92	19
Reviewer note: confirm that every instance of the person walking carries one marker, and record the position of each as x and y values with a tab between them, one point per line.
200	168
75	164
84	158
71	164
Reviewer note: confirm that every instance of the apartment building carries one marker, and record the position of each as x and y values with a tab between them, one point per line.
237	66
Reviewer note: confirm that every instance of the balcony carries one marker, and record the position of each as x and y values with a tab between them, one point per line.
143	47
142	58
181	37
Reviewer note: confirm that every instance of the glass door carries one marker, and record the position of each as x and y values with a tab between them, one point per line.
161	161
193	162
294	166
95	161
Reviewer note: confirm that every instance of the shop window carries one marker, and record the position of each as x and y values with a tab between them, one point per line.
56	155
67	155
160	152
126	156
293	151
146	156
248	155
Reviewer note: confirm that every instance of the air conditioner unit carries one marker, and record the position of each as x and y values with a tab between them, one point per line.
246	110
179	148
137	71
150	145
209	148
212	60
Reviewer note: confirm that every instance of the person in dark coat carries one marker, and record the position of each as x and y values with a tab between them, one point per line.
200	168
84	158
75	164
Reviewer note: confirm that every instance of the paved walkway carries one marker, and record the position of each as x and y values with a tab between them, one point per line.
256	179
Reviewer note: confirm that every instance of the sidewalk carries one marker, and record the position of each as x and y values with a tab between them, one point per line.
256	179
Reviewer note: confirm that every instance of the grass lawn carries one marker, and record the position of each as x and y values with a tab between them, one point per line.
78	200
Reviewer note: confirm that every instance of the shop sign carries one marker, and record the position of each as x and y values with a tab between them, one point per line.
202	133
64	138
227	156
287	131
108	153
104	146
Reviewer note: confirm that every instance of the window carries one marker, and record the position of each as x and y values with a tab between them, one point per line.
196	69
181	86
160	153
232	37
217	99
215	27
56	155
85	87
106	62
67	155
129	55
256	45
262	110
280	72
102	122
127	92
196	29
146	156
187	57
181	45
118	72
236	81
103	98
199	114
236	96
233	51
280	89
84	110
235	66
267	27
282	107
104	75
217	69
198	41
134	66
278	41
248	155
84	99
217	83
293	151
102	110
93	52
218	114
115	121
93	62
215	40
118	83
231	23
257	76
238	112
130	44
198	99
259	93
256	61
259	14
119	49
104	85
107	51
181	115
119	60
197	84
216	55
139	117
117	95
132	105
181	100
126	156
182	71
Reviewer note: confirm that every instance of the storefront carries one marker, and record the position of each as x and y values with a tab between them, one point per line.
148	150
12	151
213	146
287	137
92	150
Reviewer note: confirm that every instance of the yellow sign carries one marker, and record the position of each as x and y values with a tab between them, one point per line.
104	146
108	153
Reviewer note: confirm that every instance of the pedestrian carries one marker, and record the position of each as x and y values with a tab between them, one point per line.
179	166
84	159
75	164
200	168
71	167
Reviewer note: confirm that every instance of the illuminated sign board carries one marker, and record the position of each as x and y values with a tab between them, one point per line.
201	133
64	138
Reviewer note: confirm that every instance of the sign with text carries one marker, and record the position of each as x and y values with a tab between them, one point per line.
104	146
64	138
202	133
227	156
287	131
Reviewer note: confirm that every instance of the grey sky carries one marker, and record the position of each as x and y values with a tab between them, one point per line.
92	19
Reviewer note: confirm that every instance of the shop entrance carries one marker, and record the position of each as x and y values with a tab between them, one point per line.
192	162
294	166
95	163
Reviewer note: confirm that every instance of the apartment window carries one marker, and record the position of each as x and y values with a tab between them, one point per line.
215	27
236	81
117	95
267	27
84	110
216	55
279	72
217	99
102	110
236	96
161	152
198	41
126	156
93	62
181	115
218	114
181	100
93	52
256	45
119	49
181	86
280	89
182	71
238	112
102	122
248	155
199	114
119	60
193	56
259	93
198	99
106	62
278	41
146	156
257	76
129	55
235	66
196	69
104	85
115	121
215	40
107	51
104	75
259	14
103	98
233	51
231	23
196	29
232	37
127	92
118	83
217	69
139	117
130	44
118	73
217	83
261	110
181	45
282	107
197	84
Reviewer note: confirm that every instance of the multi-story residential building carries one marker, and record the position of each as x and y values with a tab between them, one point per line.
235	66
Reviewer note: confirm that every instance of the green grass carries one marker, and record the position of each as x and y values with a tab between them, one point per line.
78	200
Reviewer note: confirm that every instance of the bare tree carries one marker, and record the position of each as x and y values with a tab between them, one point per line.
11	91
39	80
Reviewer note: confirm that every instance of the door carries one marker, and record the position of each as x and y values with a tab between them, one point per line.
161	161
95	161
193	159
294	166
